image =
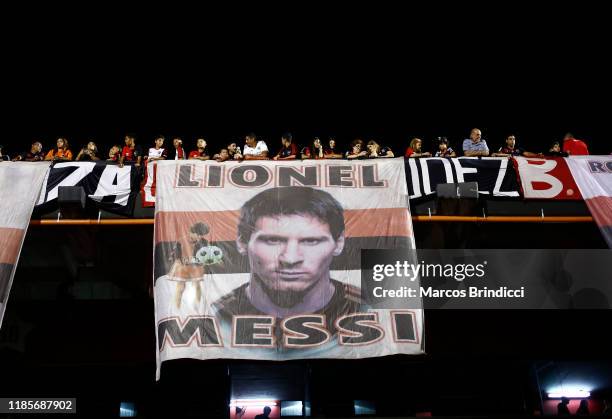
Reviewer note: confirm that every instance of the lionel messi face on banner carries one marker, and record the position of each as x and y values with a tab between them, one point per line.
290	237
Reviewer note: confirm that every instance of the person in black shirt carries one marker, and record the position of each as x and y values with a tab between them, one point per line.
443	149
289	149
511	150
114	154
89	152
131	152
177	152
562	409
330	152
555	150
357	150
375	150
35	153
3	157
266	413
314	151
583	408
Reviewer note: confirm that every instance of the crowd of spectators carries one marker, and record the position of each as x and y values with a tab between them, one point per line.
255	148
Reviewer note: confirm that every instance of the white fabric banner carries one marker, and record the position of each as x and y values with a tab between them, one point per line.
593	175
20	185
261	259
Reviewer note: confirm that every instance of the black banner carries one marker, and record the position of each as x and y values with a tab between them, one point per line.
107	186
495	175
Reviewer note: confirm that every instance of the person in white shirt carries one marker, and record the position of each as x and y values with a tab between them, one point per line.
253	149
158	152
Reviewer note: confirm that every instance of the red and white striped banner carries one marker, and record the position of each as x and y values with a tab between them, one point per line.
262	260
20	185
548	178
593	175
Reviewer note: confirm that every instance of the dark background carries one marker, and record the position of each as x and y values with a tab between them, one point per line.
79	323
362	72
383	74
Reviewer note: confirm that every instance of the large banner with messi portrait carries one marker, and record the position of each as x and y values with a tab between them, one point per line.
262	259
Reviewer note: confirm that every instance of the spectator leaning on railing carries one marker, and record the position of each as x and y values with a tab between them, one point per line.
375	150
60	152
357	150
3	157
555	150
35	153
114	154
416	149
511	150
475	146
574	147
177	152
253	149
158	152
314	151
88	153
131	152
288	150
222	156
443	149
330	151
200	153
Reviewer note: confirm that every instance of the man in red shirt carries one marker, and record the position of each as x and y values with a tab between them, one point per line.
200	153
574	147
131	152
289	150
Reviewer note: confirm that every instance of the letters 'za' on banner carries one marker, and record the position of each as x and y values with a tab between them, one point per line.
20	185
261	260
494	175
593	175
107	186
548	178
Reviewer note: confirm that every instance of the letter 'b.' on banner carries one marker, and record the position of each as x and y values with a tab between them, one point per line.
261	260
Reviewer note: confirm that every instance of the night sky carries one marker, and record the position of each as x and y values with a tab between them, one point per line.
387	75
389	84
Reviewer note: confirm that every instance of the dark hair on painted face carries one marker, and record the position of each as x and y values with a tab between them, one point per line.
287	136
291	200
